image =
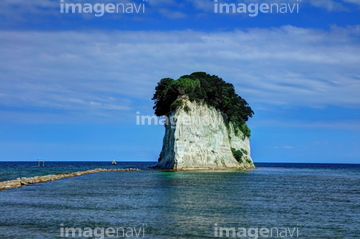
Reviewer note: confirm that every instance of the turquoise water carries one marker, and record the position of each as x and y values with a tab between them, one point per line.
316	201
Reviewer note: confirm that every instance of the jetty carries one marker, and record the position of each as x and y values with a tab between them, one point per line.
20	182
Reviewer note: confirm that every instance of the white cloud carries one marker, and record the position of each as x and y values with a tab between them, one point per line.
101	73
37	10
19	11
353	1
171	14
330	5
351	125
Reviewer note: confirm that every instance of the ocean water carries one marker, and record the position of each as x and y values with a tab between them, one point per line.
288	200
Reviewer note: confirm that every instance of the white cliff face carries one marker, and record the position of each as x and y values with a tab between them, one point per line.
199	138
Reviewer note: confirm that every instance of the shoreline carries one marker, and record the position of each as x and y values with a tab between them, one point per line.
21	182
204	168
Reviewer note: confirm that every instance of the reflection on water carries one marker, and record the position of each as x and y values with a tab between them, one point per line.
322	202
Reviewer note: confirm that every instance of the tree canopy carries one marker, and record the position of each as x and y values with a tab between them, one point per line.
204	88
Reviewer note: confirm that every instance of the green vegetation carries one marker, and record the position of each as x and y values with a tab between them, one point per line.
244	151
187	109
176	104
203	88
237	155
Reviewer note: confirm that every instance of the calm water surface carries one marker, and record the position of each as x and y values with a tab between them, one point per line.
319	201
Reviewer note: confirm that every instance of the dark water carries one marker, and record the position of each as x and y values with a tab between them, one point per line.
311	200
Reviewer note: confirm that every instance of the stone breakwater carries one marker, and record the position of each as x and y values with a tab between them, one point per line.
20	182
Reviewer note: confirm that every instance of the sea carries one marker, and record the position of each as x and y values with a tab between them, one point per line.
275	200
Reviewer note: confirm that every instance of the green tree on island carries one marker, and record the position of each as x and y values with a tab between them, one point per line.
203	88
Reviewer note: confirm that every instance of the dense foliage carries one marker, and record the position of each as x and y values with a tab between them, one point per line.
237	155
204	88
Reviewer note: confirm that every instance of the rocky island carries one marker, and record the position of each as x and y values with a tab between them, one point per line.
205	124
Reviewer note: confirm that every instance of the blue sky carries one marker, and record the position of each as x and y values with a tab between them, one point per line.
71	84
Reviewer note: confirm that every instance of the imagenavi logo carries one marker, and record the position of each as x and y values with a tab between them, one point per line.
253	9
99	9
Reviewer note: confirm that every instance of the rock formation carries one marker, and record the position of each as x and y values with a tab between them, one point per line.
206	123
196	137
